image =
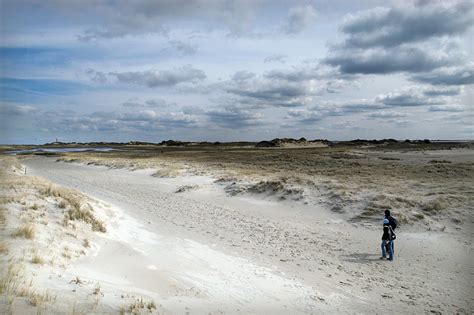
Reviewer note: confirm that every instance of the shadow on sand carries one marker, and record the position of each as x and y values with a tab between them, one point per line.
361	258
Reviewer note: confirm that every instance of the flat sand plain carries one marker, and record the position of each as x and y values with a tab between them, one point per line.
241	230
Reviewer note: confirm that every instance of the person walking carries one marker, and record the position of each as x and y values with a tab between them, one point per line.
393	224
388	237
387	240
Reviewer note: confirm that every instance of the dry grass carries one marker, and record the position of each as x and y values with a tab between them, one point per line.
151	305
434	205
37	259
30	200
3	217
86	243
66	253
85	214
403	180
3	248
98	290
7	199
11	279
75	311
76	281
139	305
37	299
74	202
13	284
77	208
27	231
418	216
62	204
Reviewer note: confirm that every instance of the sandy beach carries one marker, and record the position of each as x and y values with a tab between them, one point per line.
189	244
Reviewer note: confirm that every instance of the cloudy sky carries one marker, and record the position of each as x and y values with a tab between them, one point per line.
110	70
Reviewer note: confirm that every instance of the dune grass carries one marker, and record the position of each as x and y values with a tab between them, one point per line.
373	178
66	253
26	203
85	214
86	243
434	205
76	207
37	299
3	248
62	204
10	279
3	217
73	202
27	231
37	259
139	305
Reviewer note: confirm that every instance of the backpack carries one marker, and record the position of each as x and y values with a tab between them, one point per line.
393	236
393	222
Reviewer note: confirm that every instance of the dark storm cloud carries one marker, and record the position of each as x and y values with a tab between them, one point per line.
389	27
448	76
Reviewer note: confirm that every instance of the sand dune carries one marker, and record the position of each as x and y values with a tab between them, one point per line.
201	250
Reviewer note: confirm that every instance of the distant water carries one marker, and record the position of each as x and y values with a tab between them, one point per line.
58	150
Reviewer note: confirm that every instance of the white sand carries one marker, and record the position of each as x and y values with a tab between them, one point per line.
201	251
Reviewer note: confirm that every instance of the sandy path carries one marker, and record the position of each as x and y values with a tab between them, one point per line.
215	253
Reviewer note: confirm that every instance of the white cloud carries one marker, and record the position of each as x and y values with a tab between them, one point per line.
151	78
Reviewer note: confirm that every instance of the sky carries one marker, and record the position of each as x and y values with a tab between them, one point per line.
221	70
